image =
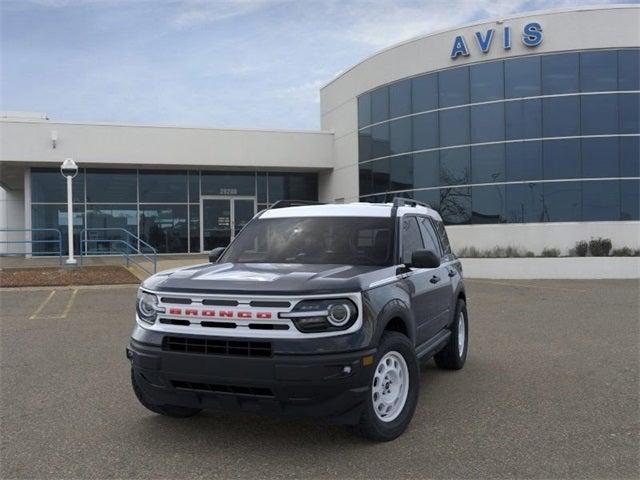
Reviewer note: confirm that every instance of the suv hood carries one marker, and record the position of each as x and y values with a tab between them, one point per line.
267	278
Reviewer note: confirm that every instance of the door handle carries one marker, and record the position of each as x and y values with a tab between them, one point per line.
435	279
452	273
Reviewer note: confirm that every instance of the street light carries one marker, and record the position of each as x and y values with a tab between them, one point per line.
69	169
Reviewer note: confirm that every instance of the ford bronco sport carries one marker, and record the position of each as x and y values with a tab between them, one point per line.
314	310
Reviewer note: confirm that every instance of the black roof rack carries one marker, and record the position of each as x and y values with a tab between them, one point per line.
408	202
293	203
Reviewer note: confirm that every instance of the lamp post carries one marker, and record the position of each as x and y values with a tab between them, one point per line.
69	169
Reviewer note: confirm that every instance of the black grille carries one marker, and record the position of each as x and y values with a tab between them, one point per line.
176	300
209	346
233	389
269	304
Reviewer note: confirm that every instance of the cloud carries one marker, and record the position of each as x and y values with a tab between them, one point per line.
199	12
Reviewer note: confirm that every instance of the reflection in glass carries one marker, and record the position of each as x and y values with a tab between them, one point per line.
381	174
522	77
630	200
293	186
426	169
560	73
115	218
487	81
231	183
216	223
163	186
430	197
165	227
454	166
112	186
600	157
600	200
630	156
523	161
453	87
562	202
366	178
400	135
561	116
487	164
194	227
599	71
454	127
380	105
49	186
380	140
523	119
424	92
194	186
400	98
425	131
402	172
455	205
629	113
629	69
53	216
365	145
364	110
487	123
488	204
524	203
599	114
561	158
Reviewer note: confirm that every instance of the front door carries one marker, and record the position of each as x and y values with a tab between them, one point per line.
222	218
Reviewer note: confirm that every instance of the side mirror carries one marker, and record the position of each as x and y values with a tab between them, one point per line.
215	254
424	259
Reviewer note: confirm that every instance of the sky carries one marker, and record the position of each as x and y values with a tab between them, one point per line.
218	63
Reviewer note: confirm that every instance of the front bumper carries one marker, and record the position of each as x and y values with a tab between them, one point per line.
332	386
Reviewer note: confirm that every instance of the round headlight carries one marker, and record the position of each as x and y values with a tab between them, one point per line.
338	314
147	306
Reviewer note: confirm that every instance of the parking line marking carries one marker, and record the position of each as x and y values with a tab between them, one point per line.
69	303
42	305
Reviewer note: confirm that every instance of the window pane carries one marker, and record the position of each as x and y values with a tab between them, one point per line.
601	200
424	91
194	227
488	204
48	185
54	217
429	237
454	87
425	131
117	186
194	186
400	98
523	119
522	77
366	178
218	183
381	170
561	159
630	200
402	173
600	157
487	81
487	164
262	187
400	135
163	186
364	110
599	114
454	166
293	186
411	238
523	161
562	202
455	205
430	197
365	145
524	203
454	127
629	70
487	123
561	116
380	105
599	71
629	113
560	73
380	141
426	169
115	218
630	156
165	227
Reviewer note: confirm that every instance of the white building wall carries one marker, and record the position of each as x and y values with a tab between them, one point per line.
11	217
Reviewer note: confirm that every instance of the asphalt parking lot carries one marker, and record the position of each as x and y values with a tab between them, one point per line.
550	390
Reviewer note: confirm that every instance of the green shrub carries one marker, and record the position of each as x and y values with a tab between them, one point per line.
600	247
550	252
582	248
625	252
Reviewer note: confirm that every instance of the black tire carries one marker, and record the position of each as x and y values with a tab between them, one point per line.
450	357
167	410
372	427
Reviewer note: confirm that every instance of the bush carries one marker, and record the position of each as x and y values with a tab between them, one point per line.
600	247
625	252
582	248
550	252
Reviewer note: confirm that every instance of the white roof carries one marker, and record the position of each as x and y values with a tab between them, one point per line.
347	210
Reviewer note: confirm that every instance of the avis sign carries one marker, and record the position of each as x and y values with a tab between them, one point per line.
531	37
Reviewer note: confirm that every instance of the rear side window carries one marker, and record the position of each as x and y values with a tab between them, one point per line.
429	236
444	239
411	238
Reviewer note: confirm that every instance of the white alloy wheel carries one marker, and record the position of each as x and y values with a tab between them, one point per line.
390	386
462	334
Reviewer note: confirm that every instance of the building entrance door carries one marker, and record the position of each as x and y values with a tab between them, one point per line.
222	218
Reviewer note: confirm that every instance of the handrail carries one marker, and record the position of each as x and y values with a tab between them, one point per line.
150	256
32	241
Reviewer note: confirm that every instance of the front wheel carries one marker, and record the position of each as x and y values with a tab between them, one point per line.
454	354
394	390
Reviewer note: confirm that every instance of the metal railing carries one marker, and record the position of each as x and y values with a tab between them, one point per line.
57	241
131	248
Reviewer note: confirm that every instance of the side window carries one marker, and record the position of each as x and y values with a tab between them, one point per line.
411	238
444	239
429	236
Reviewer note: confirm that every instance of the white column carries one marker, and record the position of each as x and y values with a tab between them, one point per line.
70	260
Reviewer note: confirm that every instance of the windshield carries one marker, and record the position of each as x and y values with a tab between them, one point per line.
333	240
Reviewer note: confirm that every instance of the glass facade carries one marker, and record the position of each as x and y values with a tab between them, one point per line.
542	138
161	207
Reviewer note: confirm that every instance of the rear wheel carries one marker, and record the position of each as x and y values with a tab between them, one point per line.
394	390
454	355
167	410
